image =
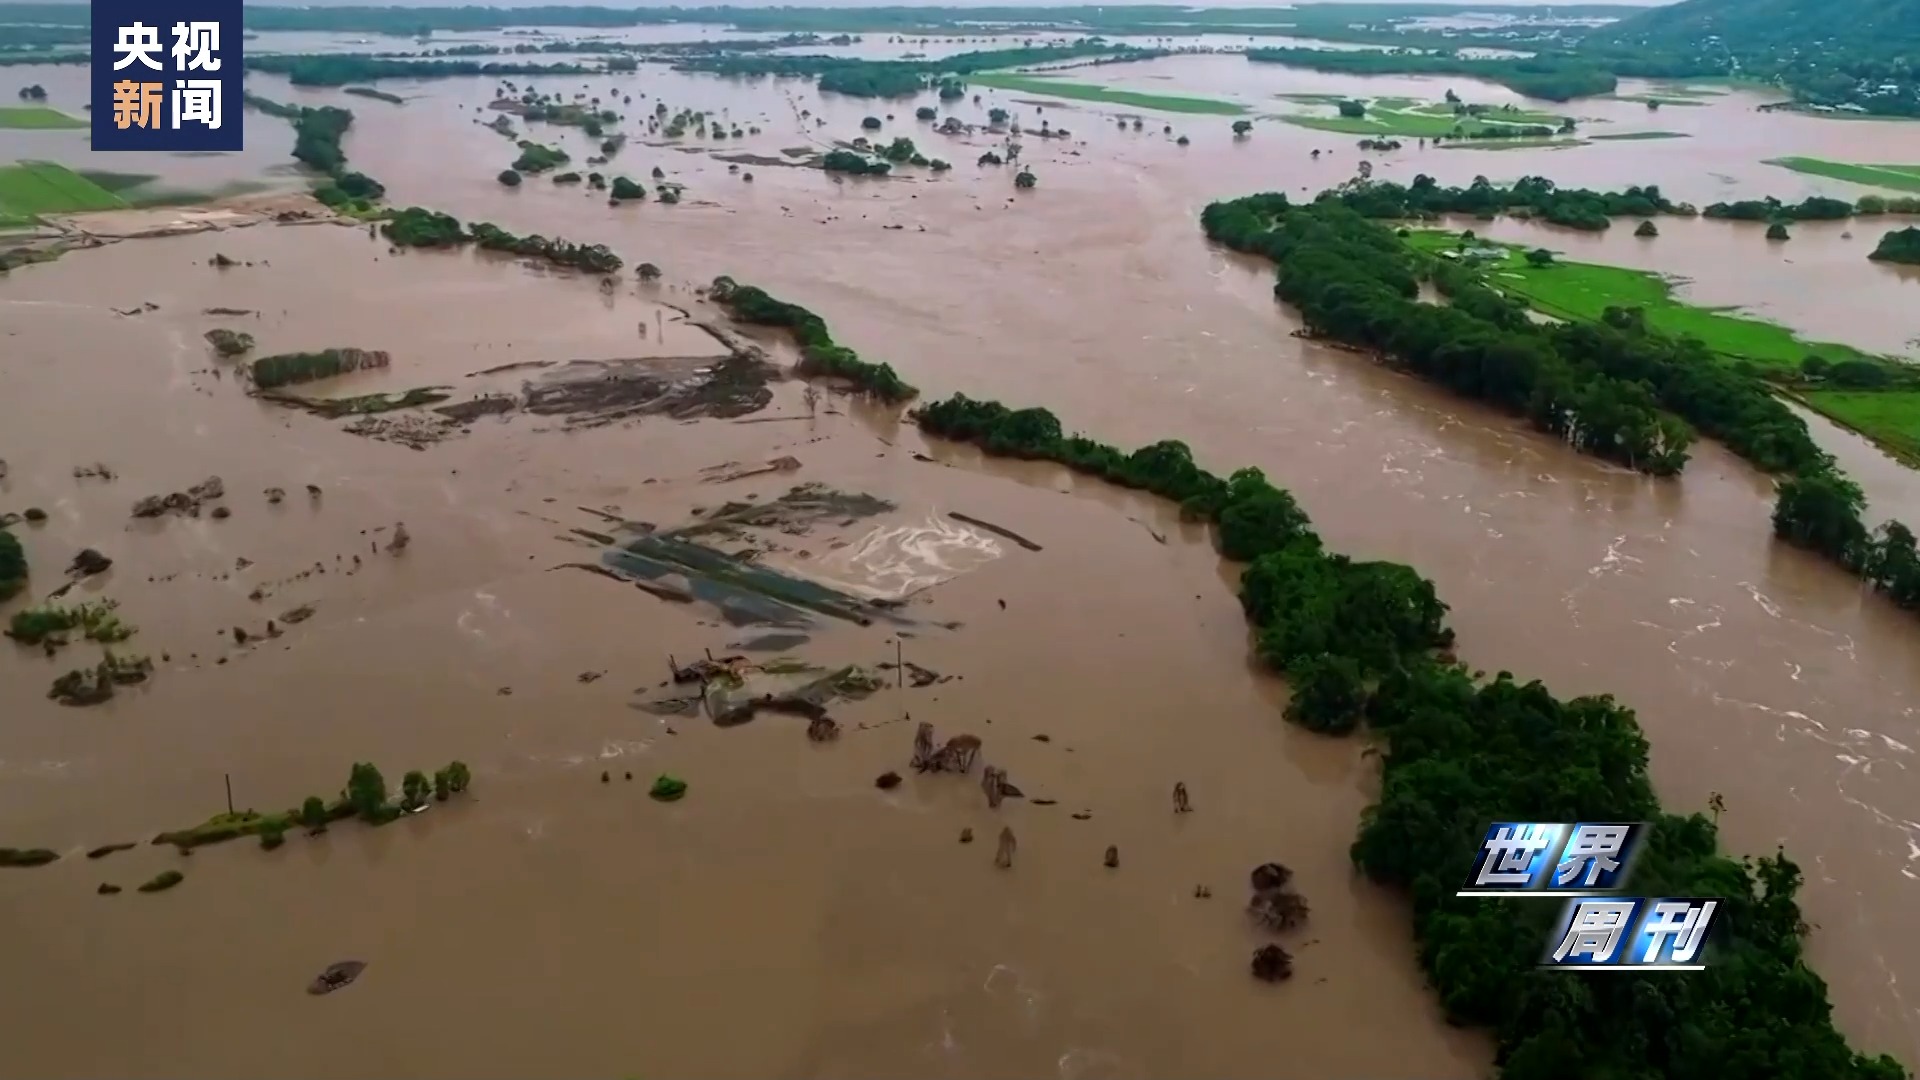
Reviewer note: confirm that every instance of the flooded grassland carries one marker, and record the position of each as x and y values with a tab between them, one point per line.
547	919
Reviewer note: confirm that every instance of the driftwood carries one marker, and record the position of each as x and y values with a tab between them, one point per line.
997	530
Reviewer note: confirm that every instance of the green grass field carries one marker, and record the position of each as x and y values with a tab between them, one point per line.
1631	136
28	188
1409	119
1895	177
36	118
1583	291
1053	87
1888	417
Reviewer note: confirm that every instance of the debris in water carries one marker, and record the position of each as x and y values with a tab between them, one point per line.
1180	803
1112	861
276	495
589	676
966	836
1274	905
400	538
1003	855
91	686
731	471
887	781
823	729
1201	892
667	788
996	530
336	976
183	502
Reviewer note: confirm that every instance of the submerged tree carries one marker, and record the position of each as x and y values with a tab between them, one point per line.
367	791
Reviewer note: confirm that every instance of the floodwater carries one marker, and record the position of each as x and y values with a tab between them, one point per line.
549	921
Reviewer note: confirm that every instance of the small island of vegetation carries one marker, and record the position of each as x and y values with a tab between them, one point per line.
1899	245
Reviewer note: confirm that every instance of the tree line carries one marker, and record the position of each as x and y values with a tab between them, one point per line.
820	355
903	78
419	227
339	69
1548	76
1530	196
316	144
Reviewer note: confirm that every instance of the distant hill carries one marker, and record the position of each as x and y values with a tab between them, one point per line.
1791	27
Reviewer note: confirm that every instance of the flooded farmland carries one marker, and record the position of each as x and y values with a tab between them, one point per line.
548	921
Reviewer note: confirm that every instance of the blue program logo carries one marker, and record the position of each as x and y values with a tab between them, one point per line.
1554	859
1633	934
166	75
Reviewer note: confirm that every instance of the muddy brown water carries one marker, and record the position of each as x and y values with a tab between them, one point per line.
548	920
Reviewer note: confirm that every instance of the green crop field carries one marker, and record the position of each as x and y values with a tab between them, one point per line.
1896	177
1409	119
1581	292
1053	87
28	188
36	118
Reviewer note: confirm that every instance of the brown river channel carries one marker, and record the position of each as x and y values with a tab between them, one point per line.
786	917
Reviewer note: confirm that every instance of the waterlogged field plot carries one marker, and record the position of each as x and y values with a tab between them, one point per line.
1584	291
1043	84
29	188
1896	177
1415	119
37	117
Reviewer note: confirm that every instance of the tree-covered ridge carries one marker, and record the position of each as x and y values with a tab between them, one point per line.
1549	76
316	144
1530	196
340	69
419	227
1857	55
901	78
1357	640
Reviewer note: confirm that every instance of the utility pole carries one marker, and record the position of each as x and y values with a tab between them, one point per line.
229	779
